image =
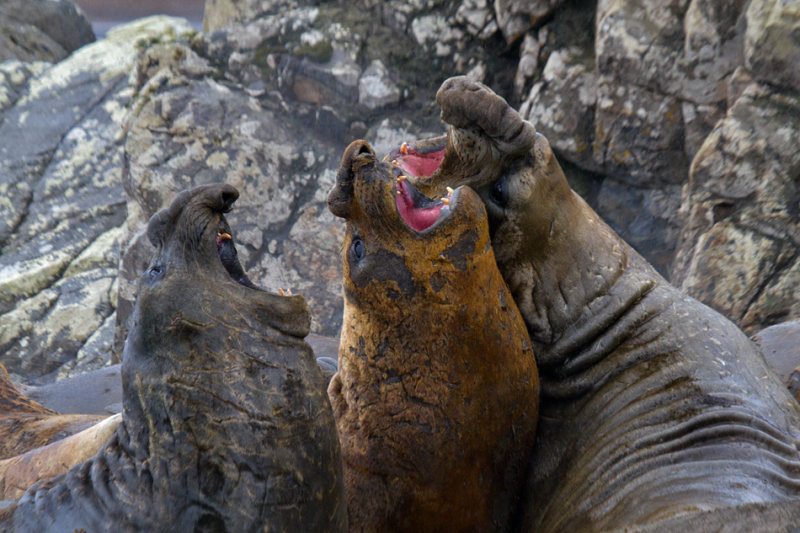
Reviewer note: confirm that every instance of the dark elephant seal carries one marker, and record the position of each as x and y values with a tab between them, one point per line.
226	426
436	392
653	405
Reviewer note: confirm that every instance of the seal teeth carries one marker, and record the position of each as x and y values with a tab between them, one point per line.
404	148
449	190
446	201
401	177
287	292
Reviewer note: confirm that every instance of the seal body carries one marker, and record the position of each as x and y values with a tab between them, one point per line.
436	393
226	426
26	424
32	440
653	406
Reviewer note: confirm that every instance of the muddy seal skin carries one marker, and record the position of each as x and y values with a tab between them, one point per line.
436	393
654	407
226	426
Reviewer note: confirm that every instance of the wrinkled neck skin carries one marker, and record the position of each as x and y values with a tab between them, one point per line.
578	278
652	404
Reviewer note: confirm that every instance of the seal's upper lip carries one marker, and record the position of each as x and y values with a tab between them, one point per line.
418	211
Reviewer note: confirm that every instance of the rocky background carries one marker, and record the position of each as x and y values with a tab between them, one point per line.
678	120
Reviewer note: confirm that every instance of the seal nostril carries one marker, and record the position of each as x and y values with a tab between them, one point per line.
365	149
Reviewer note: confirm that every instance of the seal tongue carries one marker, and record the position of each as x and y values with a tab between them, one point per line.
418	217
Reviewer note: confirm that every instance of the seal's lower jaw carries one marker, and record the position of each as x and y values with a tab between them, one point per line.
419	212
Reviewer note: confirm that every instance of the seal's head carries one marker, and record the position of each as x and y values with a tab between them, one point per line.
541	230
398	237
436	395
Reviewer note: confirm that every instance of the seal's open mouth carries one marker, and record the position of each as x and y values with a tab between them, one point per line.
420	160
229	258
417	210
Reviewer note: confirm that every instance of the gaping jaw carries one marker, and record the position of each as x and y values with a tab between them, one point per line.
419	212
420	159
226	249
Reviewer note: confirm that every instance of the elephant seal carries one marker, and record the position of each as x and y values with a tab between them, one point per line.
26	424
226	426
36	443
436	394
652	405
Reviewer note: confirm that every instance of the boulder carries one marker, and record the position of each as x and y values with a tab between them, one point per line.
63	203
42	30
738	249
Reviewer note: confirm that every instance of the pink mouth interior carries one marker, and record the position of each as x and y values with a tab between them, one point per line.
420	165
418	218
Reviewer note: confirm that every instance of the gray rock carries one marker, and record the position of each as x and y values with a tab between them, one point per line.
738	250
515	17
375	87
772	46
63	203
781	346
42	30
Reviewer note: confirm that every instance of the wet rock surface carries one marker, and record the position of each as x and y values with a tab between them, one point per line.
676	121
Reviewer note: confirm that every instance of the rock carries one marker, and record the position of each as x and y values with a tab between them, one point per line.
62	199
626	91
738	247
375	88
568	78
781	346
515	17
772	46
42	30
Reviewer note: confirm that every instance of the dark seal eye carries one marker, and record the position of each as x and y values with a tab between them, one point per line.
499	192
357	249
154	272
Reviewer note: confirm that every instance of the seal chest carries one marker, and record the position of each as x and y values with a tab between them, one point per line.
436	395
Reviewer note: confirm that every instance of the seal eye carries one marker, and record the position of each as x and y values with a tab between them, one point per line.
499	192
154	272
357	249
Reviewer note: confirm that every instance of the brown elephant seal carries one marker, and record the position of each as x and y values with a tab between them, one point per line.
26	424
36	443
226	425
436	393
18	473
653	405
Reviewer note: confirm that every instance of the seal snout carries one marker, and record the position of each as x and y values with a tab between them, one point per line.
341	198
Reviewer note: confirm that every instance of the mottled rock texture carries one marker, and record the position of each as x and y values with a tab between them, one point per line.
675	120
62	201
41	30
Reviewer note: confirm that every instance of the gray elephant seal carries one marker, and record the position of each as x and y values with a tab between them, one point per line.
653	405
226	425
